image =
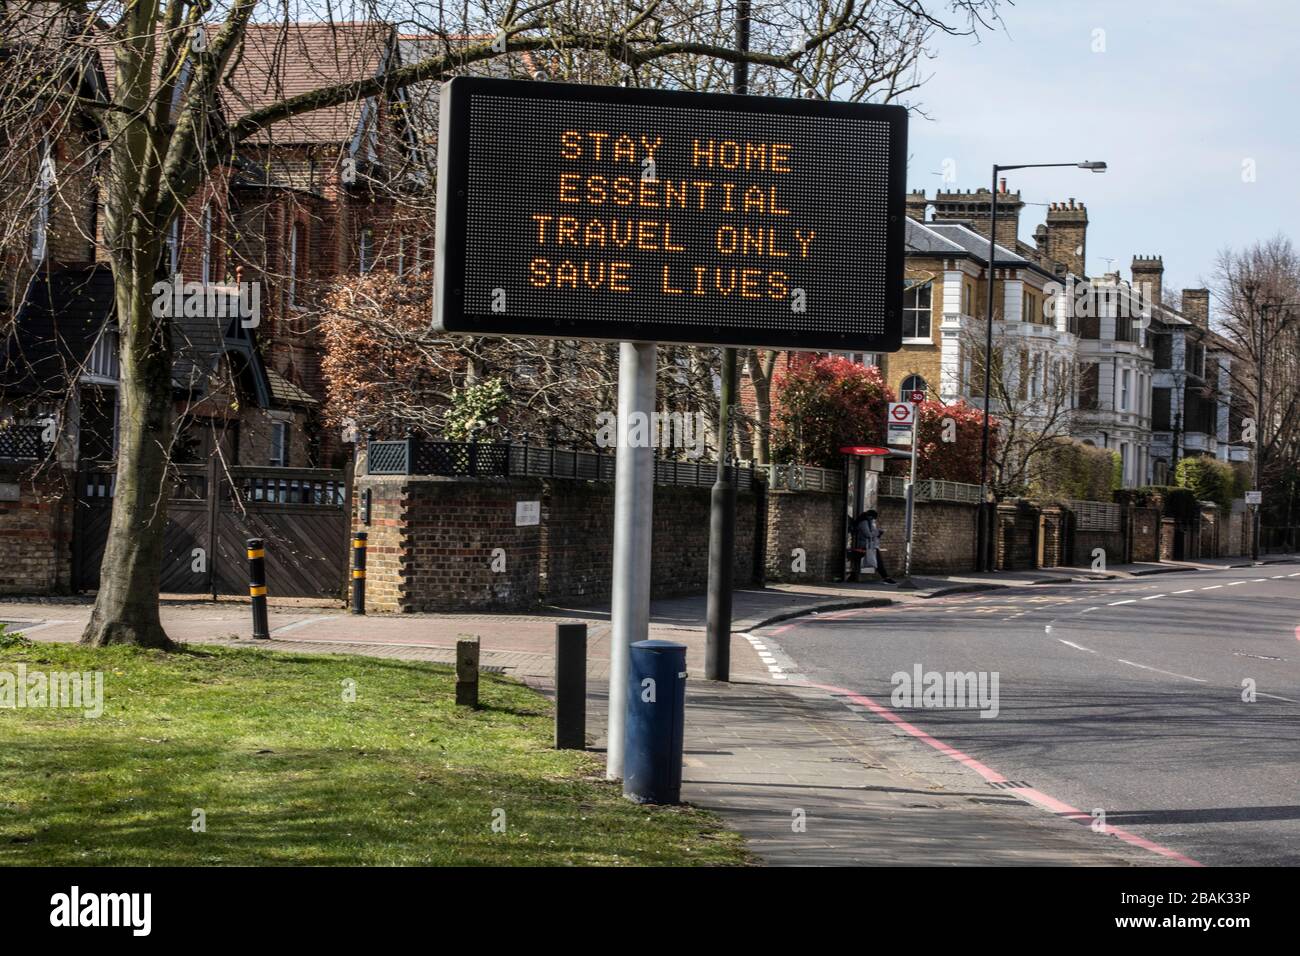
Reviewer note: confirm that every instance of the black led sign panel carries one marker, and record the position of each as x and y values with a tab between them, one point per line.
608	213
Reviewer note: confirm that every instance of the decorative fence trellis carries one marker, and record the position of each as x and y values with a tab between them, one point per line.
804	478
930	489
415	456
1095	515
22	442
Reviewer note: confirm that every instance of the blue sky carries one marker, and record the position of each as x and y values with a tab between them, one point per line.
1184	93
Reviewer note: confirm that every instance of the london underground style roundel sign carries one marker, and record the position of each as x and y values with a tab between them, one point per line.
609	213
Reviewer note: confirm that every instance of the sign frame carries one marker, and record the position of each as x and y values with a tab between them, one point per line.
450	318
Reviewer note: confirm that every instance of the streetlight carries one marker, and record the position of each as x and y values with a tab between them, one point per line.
985	518
1260	372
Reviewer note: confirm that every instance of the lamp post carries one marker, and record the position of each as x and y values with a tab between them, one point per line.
983	527
1260	372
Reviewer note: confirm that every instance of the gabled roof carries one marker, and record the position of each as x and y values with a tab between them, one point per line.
957	240
280	60
284	392
423	97
61	315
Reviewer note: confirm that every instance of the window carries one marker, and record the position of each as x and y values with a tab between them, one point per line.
967	299
916	311
913	383
174	246
205	268
365	251
44	180
1089	391
294	247
1125	383
280	444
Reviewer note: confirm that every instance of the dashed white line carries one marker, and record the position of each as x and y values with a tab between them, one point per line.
1153	597
1078	647
1212	587
1147	667
1233	584
1118	603
1276	697
1185	591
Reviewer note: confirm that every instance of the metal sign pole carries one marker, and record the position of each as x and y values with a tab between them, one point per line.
909	520
634	476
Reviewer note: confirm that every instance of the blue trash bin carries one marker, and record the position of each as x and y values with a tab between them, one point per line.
656	713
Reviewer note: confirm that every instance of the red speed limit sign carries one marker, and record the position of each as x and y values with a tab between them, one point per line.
918	397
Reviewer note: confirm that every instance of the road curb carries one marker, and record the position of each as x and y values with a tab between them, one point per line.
815	609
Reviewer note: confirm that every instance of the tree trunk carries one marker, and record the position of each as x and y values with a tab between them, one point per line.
126	605
761	364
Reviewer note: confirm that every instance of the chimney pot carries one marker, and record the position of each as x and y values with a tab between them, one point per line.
1002	184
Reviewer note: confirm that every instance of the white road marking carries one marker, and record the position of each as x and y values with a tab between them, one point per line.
1147	667
1257	580
1276	697
1212	587
1233	584
20	628
1086	610
1118	603
1185	591
1152	597
1078	647
294	625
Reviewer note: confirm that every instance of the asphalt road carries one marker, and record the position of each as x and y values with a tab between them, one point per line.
1118	697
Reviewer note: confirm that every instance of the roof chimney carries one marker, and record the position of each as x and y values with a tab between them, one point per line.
1148	276
1196	306
1067	235
916	203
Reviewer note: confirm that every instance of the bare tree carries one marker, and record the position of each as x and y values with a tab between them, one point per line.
172	122
1257	291
1032	397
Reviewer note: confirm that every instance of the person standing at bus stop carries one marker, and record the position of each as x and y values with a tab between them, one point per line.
867	534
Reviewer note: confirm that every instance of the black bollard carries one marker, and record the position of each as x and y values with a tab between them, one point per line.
359	572
570	686
257	587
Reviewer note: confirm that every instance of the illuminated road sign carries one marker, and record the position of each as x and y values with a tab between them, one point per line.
619	214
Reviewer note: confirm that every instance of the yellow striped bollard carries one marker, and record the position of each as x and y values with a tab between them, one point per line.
359	572
257	587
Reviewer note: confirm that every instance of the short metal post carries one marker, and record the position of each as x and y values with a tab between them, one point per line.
570	686
257	587
467	672
359	572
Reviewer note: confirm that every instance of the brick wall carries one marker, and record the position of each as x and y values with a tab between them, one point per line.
943	541
1017	536
431	543
807	520
35	533
1053	536
1144	525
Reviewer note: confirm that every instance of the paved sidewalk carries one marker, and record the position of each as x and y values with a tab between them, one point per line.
764	752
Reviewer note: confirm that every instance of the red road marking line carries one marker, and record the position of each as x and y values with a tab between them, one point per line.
992	776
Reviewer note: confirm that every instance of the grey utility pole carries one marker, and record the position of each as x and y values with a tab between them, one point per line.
634	486
722	501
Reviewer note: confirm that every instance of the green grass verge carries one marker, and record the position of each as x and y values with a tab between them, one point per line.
288	772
